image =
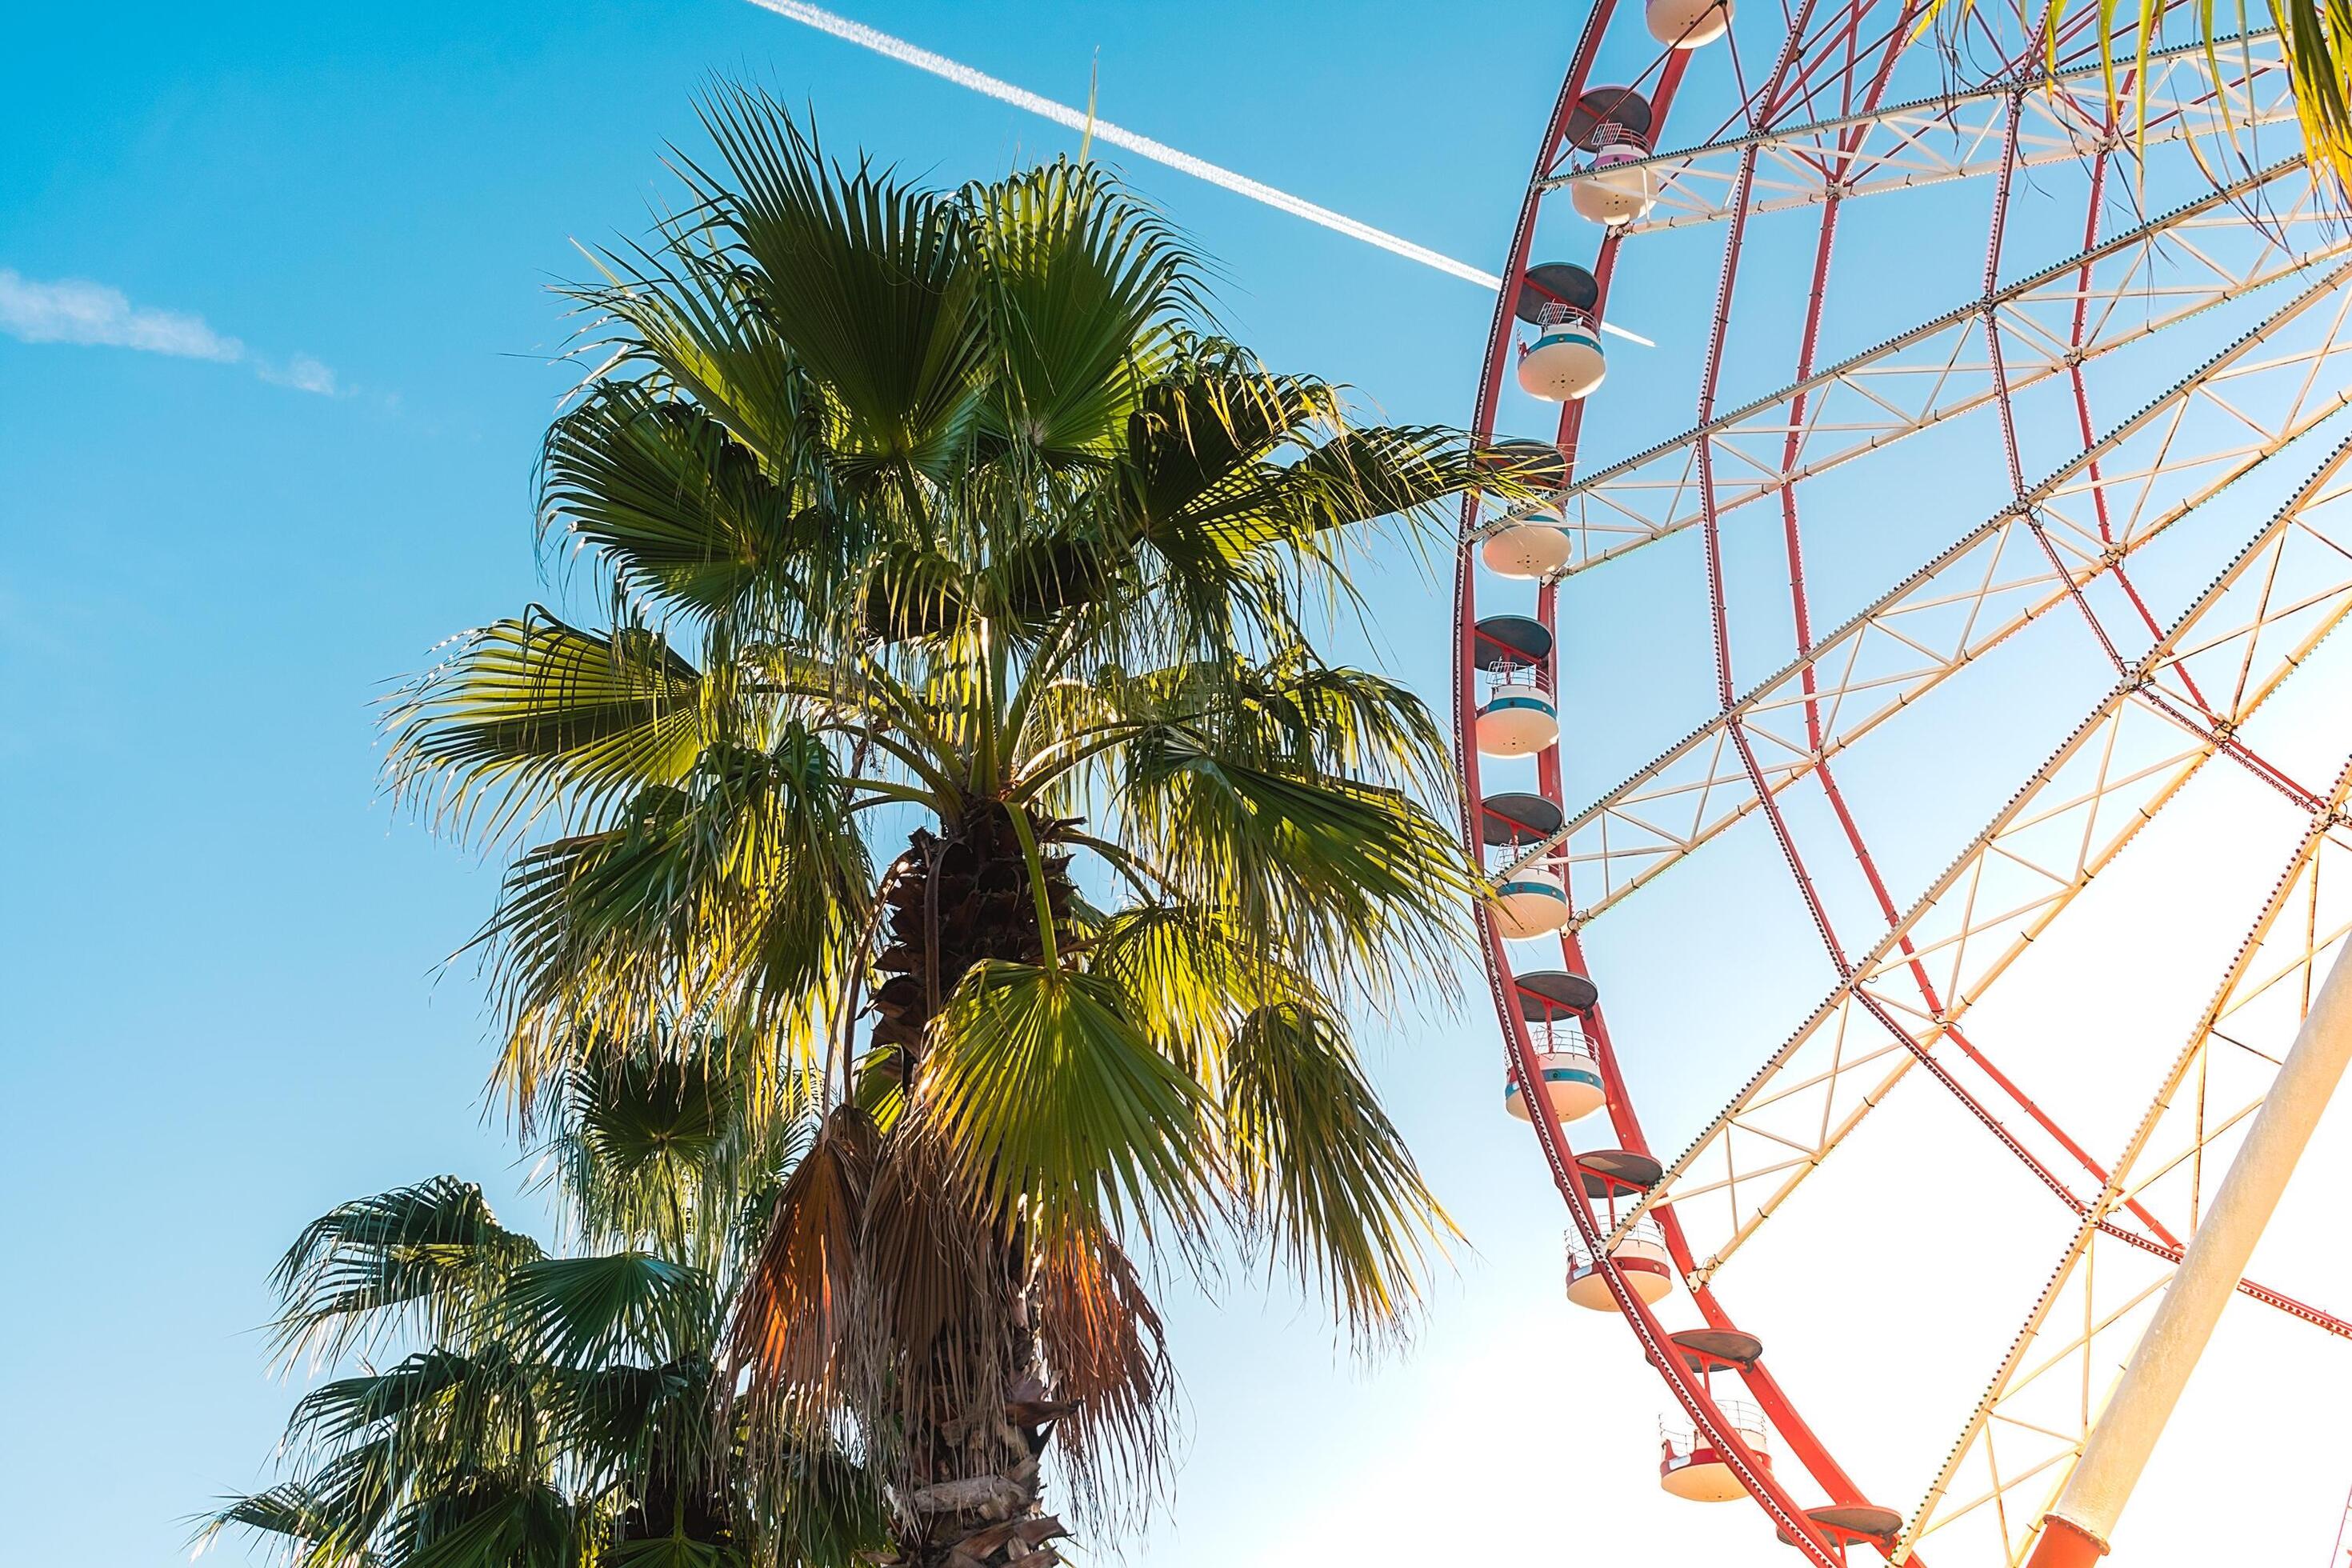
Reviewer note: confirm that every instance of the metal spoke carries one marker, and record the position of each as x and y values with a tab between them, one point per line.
2089	1311
1938	371
2072	816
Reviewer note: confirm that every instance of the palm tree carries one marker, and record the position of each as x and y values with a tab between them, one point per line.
958	738
547	1410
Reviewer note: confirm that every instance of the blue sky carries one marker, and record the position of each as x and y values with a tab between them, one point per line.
329	233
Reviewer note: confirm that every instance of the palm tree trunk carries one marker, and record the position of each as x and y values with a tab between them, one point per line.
974	1456
963	899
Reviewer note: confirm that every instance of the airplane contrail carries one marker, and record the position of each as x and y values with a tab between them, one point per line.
898	49
905	53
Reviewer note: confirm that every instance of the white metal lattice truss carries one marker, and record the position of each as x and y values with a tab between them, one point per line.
2128	759
1965	134
2224	419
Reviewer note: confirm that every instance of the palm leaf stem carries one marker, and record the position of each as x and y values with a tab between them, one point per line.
1037	889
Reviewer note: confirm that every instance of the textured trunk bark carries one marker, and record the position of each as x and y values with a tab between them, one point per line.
976	1497
963	899
979	1503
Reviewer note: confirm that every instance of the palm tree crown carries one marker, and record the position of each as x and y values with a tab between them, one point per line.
958	739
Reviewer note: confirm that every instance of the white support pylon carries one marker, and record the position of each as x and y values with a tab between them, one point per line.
2076	1530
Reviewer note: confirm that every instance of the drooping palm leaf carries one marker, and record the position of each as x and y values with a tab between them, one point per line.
793	1315
1360	882
741	892
428	1257
1328	1175
1101	1339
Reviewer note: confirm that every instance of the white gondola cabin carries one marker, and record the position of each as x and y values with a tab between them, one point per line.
1564	361
1615	185
1529	544
1529	900
1615	1180
1553	1002
1687	24
1692	1464
1516	717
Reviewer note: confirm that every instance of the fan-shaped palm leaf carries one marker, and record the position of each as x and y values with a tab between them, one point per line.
1056	1109
679	511
577	1311
858	276
533	710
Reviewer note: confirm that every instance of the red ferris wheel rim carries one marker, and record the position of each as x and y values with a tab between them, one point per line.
1796	80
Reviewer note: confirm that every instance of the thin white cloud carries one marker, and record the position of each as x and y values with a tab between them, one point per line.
76	311
303	372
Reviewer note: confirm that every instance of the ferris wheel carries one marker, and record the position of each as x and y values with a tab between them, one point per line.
1987	489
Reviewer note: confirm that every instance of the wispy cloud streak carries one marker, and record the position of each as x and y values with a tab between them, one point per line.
1004	92
76	311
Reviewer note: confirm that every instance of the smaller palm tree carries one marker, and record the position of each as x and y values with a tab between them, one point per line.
515	1407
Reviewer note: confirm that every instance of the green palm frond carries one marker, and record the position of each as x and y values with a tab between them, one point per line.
490	1518
1083	287
531	711
742	894
1188	976
671	1551
1355	476
1360	882
311	1535
420	1389
679	511
2318	35
640	1114
830	1512
1326	1172
578	1311
859	276
427	1257
615	1423
680	320
1207	426
1055	1108
655	1143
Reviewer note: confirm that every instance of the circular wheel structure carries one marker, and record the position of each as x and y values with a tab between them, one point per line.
1985	487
